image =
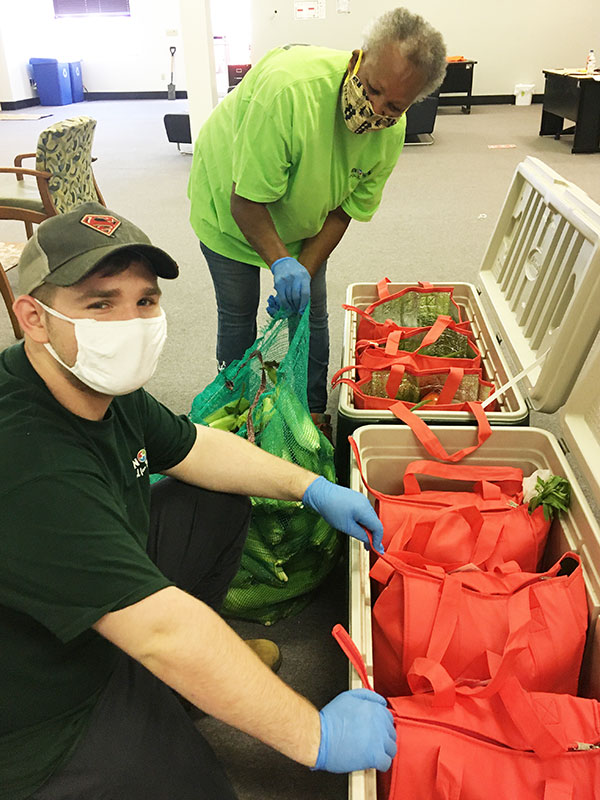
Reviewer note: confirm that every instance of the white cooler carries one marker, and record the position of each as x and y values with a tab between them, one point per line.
540	279
385	451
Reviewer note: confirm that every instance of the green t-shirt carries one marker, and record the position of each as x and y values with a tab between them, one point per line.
75	500
280	136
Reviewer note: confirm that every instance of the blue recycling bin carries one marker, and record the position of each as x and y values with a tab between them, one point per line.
53	81
76	81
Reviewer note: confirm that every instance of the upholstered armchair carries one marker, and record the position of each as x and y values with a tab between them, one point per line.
62	179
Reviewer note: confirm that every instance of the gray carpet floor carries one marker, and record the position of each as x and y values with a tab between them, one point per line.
438	212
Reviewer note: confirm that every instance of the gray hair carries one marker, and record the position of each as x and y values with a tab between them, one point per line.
418	41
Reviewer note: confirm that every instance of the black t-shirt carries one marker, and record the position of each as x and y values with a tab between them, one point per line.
74	500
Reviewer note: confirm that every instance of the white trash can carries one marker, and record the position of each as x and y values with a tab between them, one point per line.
524	93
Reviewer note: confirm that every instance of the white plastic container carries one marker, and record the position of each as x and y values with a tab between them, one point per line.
540	279
524	93
385	451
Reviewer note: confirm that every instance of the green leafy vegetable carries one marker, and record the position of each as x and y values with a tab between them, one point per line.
553	495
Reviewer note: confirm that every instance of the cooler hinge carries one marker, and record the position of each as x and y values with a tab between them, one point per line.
478	289
499	338
528	402
563	445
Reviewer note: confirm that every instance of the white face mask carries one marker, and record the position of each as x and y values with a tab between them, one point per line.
114	357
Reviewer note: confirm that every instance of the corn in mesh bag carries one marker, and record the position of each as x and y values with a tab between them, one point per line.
290	549
416	309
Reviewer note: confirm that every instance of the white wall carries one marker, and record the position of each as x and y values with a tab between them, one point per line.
119	54
512	40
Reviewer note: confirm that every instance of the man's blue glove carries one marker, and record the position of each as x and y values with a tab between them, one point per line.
357	732
292	284
344	509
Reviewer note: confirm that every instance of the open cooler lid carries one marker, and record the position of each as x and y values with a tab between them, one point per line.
580	418
541	274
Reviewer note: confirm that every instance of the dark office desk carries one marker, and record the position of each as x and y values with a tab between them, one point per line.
459	79
572	95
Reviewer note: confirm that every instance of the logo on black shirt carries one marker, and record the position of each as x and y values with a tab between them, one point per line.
140	463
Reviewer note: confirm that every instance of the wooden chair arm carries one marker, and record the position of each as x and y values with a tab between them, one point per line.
19	160
22	171
42	179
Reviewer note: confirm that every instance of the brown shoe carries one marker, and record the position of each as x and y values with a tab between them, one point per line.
267	651
323	424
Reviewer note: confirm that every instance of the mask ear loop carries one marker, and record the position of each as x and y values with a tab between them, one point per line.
356	67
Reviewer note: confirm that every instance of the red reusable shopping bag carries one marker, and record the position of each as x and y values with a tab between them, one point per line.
399	348
485	526
382	385
432	628
371	328
513	744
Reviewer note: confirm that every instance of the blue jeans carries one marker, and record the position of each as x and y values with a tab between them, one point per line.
237	290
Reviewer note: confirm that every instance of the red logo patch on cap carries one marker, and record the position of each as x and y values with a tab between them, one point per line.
103	223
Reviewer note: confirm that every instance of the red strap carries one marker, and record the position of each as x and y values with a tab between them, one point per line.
342	637
459	472
436	330
393	340
425	676
426	285
382	288
451	385
394	381
448	777
360	313
354	447
558	790
337	378
501	668
522	711
430	441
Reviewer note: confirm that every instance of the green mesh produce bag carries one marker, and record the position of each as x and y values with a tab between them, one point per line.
290	549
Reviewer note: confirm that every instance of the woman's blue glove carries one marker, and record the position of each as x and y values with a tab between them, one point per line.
344	509
273	306
292	283
357	732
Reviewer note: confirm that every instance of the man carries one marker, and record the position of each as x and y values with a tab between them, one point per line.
108	592
303	145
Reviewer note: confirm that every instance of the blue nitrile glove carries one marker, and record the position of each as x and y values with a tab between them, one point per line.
357	732
344	509
292	283
273	306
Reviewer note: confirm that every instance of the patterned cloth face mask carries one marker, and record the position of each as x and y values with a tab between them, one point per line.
357	109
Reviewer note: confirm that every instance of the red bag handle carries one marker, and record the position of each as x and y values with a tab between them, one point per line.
368	317
487	536
427	673
382	288
342	637
354	447
522	711
462	472
397	372
558	790
433	334
451	385
448	777
430	441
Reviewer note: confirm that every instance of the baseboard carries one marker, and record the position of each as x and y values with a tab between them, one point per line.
452	100
180	95
15	105
484	99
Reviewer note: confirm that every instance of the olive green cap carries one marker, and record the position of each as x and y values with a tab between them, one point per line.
66	247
